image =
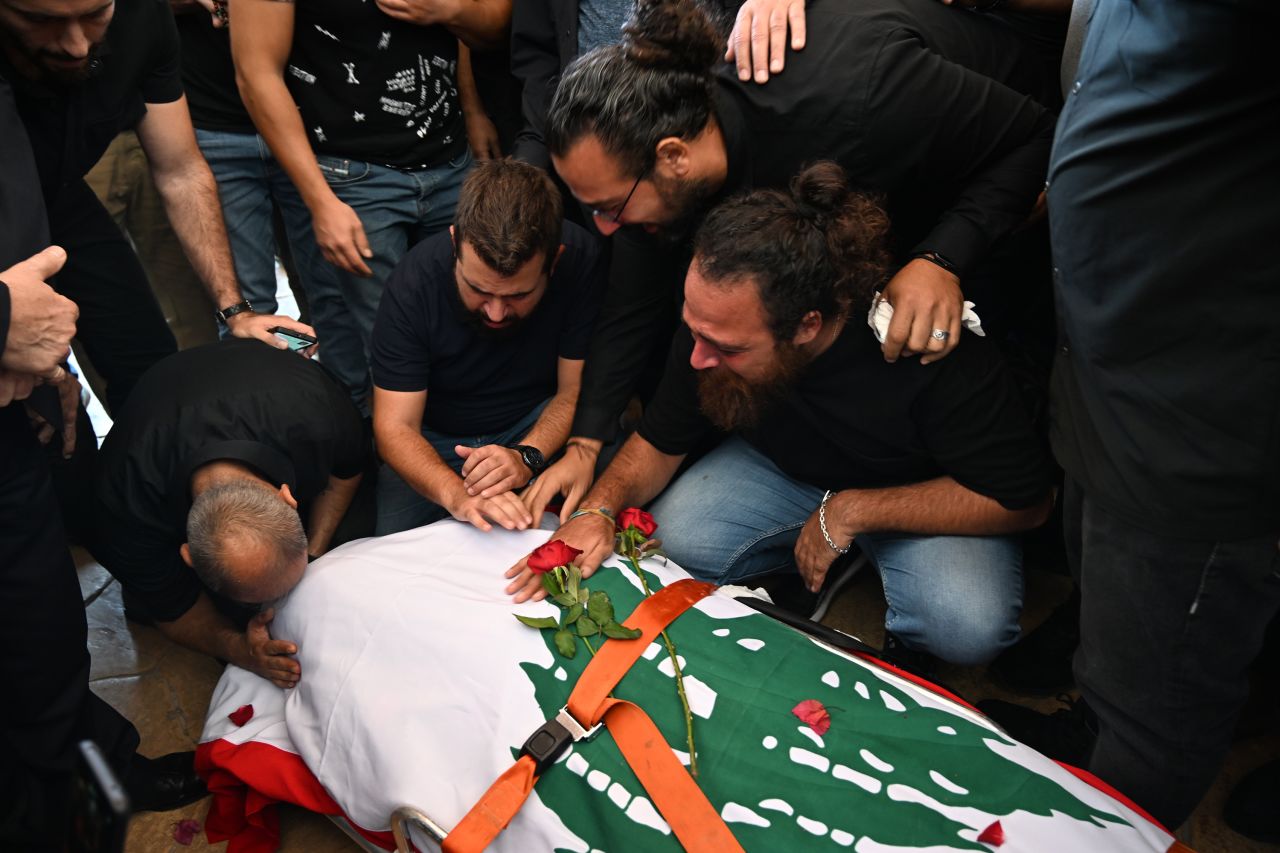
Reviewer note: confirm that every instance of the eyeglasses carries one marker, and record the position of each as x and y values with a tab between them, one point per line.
617	214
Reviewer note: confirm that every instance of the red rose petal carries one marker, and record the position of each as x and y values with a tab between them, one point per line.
993	835
547	557
812	712
637	518
241	715
184	831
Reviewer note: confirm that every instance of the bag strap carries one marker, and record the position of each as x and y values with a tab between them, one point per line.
673	791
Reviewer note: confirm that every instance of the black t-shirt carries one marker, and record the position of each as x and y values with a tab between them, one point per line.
238	399
373	88
479	384
71	127
854	421
209	76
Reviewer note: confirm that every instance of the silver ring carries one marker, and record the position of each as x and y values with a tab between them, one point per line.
941	334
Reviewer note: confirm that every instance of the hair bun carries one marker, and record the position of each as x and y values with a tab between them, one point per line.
820	190
672	34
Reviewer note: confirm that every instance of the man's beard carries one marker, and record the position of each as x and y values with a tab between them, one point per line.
733	403
46	71
689	200
476	322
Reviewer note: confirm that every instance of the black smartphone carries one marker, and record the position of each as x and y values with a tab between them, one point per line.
99	804
295	339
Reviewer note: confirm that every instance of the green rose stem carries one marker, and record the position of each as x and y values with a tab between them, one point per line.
631	552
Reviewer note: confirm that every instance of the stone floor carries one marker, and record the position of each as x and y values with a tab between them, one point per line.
165	690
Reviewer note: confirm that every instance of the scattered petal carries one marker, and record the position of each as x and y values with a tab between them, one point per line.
993	835
813	712
184	831
241	715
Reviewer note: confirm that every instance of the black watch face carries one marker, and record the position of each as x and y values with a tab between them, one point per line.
533	458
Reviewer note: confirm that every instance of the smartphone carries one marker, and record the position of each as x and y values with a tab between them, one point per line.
99	804
295	339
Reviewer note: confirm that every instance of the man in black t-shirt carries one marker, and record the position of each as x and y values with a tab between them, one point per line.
81	72
927	468
360	104
493	320
232	464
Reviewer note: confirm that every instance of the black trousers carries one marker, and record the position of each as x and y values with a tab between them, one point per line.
121	326
44	665
1168	630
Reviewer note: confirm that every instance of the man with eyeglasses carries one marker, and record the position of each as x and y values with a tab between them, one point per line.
493	320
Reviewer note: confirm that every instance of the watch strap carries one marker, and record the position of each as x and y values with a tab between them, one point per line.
232	310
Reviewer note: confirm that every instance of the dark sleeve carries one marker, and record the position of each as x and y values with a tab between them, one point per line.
588	288
672	422
349	438
960	125
638	315
146	561
4	316
400	357
975	425
161	82
535	60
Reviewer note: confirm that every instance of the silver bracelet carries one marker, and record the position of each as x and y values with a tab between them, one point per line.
822	522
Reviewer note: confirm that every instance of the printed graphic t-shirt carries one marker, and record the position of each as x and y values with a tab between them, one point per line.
372	88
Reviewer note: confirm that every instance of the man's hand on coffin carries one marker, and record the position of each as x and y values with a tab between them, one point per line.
813	555
270	658
591	534
505	509
491	470
570	476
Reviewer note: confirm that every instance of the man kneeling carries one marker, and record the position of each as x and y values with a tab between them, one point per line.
493	319
926	468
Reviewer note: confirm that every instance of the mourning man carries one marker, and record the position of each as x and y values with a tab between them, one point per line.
655	130
928	468
204	486
492	319
82	71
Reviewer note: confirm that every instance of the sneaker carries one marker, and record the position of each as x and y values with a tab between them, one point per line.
1066	735
1253	809
842	572
1040	662
914	661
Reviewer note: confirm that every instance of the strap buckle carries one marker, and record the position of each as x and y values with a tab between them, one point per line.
553	737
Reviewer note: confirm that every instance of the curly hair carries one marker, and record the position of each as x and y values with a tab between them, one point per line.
653	84
817	247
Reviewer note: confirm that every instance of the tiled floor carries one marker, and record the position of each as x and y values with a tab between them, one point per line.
165	690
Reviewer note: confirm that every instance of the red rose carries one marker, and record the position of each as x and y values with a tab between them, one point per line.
555	553
637	518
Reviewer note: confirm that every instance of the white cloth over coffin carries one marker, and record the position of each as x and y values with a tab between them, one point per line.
411	691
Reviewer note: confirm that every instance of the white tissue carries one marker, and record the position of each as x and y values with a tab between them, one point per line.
882	312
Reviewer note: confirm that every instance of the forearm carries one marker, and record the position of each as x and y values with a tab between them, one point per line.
327	512
635	476
481	24
276	117
551	430
190	197
939	507
413	458
205	630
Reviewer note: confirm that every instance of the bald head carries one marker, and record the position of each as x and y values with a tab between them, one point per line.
245	542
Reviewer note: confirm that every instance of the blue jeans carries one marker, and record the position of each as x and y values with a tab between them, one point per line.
402	507
249	180
734	517
397	209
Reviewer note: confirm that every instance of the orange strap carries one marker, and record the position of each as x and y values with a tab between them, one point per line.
677	797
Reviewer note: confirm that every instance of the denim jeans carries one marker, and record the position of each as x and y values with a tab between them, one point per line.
397	209
249	181
1168	629
734	517
401	507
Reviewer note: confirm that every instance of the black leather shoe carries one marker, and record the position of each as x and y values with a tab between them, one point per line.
1253	809
1066	735
898	653
1040	662
161	784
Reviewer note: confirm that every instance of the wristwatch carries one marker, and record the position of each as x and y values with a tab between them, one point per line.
531	456
232	310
